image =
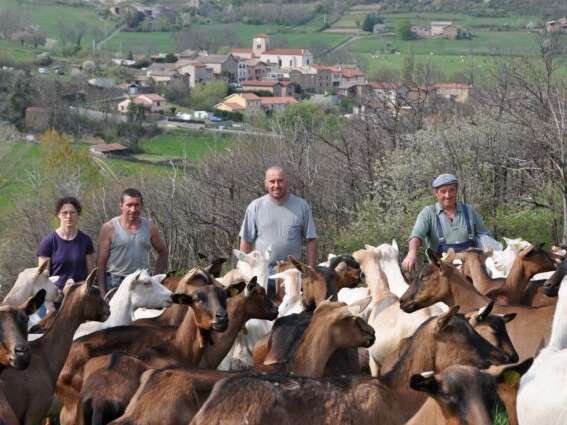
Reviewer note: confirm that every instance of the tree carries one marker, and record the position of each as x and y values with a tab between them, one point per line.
403	29
408	66
205	96
371	20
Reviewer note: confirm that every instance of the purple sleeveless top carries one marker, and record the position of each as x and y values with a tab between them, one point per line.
68	259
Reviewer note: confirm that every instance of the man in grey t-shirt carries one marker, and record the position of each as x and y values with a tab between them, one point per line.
279	220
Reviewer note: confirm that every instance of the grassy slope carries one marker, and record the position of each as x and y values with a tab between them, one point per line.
13	51
178	143
49	16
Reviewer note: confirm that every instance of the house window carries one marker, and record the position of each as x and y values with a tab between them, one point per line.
290	63
307	62
157	103
258	46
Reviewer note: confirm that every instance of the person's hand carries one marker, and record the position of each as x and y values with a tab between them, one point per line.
409	262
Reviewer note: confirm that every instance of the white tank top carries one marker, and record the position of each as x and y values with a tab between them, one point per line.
129	251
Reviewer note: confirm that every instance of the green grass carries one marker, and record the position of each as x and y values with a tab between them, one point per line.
15	158
48	16
471	22
448	65
15	52
142	42
180	143
484	43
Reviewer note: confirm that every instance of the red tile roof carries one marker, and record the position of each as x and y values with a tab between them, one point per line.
261	35
285	52
153	96
278	100
250	96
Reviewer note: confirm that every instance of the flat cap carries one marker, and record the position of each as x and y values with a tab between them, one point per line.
443	179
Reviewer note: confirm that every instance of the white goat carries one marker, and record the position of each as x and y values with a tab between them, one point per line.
28	283
249	265
291	303
390	323
138	289
542	397
500	263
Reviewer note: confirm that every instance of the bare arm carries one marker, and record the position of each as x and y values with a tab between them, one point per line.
246	246
161	248
91	262
312	252
409	262
104	241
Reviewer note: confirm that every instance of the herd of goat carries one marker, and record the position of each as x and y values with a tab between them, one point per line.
347	342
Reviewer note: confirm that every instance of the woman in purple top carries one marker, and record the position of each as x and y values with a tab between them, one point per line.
69	251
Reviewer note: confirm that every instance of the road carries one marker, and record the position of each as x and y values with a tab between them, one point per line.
109	36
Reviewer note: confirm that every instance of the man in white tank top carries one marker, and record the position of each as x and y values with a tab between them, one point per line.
125	242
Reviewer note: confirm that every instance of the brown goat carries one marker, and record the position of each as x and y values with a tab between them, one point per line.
110	381
175	313
438	342
31	390
15	350
333	326
252	304
158	346
516	288
439	281
464	395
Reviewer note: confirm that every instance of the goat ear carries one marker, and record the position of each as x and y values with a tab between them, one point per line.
341	267
235	289
483	312
508	317
526	251
186	299
432	257
451	255
201	256
34	302
303	268
268	253
91	278
511	375
425	382
444	318
357	308
159	277
42	268
395	245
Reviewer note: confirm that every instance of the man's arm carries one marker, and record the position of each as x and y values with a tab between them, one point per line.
409	262
312	252
246	246
104	241
161	249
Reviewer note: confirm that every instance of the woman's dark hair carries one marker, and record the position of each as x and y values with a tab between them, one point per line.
68	200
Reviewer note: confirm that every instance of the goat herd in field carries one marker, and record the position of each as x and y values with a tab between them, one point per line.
349	342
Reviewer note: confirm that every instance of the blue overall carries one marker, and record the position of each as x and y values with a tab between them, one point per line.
457	247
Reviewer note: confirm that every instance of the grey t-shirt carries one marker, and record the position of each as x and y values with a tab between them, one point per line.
281	226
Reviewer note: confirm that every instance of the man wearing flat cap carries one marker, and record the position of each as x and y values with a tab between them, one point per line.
446	224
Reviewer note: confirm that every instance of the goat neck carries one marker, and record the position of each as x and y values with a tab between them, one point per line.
376	279
189	331
461	292
313	352
223	341
55	344
558	338
474	267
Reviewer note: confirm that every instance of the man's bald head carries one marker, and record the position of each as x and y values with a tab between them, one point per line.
276	168
276	183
